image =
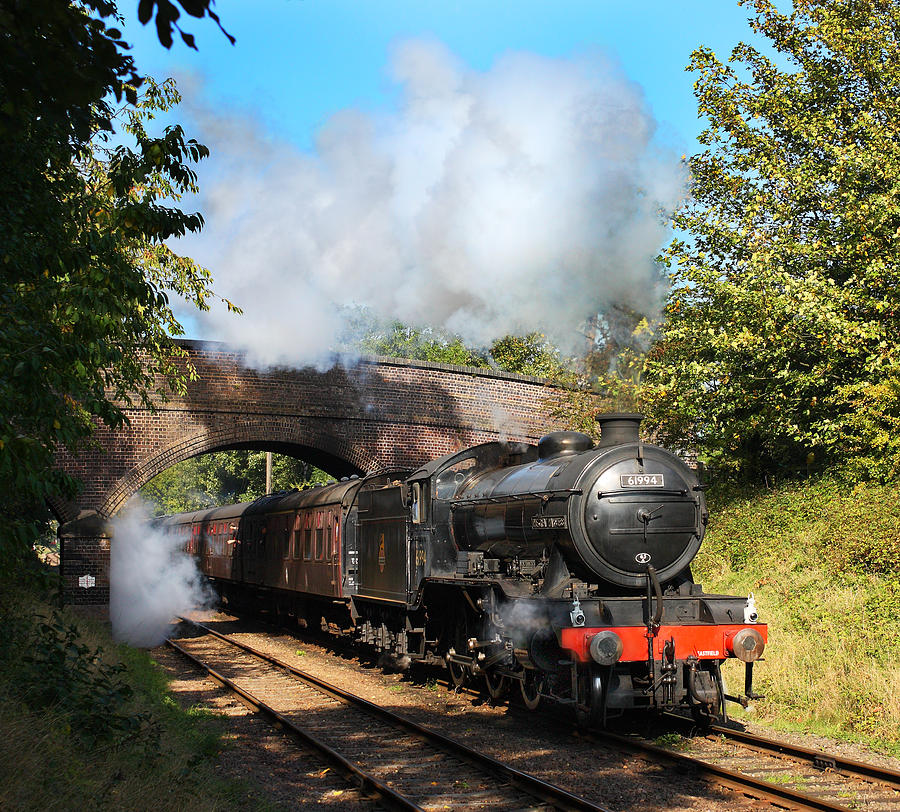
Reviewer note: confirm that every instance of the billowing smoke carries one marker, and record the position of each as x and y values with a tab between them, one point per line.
526	197
151	580
505	424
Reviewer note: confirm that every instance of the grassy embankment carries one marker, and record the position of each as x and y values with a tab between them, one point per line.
82	733
821	557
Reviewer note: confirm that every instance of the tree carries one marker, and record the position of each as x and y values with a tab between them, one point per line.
223	478
780	346
167	16
84	292
615	360
530	354
397	340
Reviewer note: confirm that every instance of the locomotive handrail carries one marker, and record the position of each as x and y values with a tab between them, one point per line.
643	492
517	497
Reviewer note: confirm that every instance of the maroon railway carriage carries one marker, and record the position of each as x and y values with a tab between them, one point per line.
282	551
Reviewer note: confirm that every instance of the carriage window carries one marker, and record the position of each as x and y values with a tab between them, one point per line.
320	544
307	545
335	539
295	537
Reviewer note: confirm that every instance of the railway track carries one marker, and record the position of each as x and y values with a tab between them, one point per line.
788	776
400	763
862	786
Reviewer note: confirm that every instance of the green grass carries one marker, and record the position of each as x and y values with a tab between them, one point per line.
821	558
671	741
143	750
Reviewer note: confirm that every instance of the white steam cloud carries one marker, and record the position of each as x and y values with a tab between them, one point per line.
152	580
522	198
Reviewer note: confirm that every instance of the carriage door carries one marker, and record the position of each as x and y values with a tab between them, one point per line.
333	551
383	544
349	545
251	550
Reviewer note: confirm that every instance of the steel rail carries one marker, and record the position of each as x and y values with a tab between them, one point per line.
817	758
353	774
732	779
746	784
758	788
537	788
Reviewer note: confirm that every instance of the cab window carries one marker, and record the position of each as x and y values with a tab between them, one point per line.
417	502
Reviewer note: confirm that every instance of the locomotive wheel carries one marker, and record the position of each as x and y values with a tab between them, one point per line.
589	707
459	674
457	636
530	687
497	685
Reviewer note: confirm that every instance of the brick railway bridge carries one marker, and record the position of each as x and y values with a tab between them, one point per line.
348	420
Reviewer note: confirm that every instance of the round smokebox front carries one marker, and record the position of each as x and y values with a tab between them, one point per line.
638	507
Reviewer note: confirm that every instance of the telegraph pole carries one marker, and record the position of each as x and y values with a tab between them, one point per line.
268	472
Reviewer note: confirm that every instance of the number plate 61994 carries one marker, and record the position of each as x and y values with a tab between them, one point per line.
642	480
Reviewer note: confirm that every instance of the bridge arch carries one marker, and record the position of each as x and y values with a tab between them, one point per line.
332	454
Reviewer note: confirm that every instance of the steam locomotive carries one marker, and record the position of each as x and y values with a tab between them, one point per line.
563	568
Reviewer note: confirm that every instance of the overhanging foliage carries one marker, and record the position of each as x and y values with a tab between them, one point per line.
86	279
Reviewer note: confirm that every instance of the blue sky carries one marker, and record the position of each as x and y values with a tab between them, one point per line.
482	167
296	62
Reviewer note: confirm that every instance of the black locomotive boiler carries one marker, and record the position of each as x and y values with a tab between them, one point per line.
563	567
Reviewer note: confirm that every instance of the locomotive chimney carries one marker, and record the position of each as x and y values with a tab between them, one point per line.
618	428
